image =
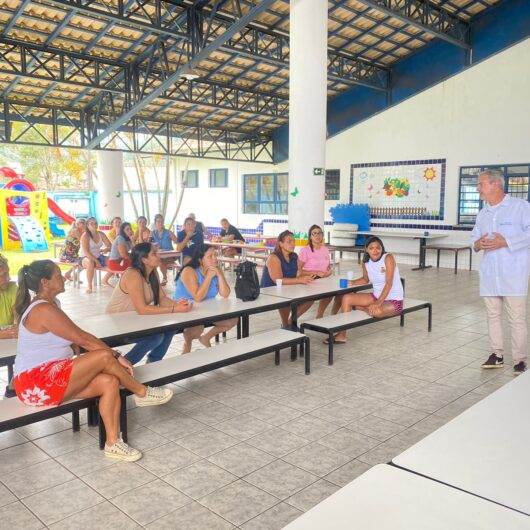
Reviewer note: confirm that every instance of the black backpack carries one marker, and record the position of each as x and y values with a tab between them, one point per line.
247	283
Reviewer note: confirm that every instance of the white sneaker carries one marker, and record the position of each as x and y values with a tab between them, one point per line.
121	451
155	395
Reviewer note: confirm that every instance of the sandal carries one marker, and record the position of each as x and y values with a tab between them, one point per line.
335	341
163	282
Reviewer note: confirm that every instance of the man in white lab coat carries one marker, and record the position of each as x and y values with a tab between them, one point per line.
502	231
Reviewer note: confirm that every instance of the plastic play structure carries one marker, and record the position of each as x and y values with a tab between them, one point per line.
24	221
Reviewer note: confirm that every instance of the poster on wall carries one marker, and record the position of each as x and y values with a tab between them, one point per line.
411	189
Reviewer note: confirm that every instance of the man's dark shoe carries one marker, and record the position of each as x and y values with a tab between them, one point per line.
494	362
10	392
519	368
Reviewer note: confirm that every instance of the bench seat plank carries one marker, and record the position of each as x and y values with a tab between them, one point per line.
181	366
342	321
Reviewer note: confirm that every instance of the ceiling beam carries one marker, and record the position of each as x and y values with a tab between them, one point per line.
170	81
426	16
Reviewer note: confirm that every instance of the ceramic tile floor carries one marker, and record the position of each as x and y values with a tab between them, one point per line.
252	446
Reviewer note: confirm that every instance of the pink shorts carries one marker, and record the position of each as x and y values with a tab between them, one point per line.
398	304
45	384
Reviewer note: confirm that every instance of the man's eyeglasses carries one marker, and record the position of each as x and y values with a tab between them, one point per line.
319	233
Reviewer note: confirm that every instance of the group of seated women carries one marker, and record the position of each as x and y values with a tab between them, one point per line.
49	368
86	246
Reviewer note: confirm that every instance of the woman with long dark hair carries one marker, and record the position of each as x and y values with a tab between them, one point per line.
282	265
46	371
139	290
200	279
381	270
315	260
120	253
94	244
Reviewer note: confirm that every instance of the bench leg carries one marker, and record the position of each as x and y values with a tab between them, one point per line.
429	326
402	320
302	349
93	414
294	353
307	356
76	424
102	432
245	326
470	257
10	373
239	328
217	339
456	261
224	335
123	418
277	357
330	348
438	258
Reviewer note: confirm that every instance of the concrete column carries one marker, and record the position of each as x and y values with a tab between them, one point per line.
307	112
109	185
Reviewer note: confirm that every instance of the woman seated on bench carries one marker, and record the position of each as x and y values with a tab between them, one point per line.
141	235
282	265
379	269
120	252
72	245
47	373
139	290
94	244
315	259
200	279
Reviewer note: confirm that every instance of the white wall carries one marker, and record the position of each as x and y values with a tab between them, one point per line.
478	117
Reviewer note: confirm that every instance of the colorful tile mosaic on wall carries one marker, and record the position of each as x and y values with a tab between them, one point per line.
411	189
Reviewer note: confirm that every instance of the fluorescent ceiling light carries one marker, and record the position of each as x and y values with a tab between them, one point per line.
189	73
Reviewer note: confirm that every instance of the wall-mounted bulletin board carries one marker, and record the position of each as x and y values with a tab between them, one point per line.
412	189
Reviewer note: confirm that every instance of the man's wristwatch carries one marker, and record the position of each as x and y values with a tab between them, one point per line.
117	354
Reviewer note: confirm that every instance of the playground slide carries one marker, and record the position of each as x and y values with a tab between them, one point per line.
30	232
59	212
55	230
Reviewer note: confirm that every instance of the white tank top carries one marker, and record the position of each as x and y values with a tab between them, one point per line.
34	349
93	246
377	275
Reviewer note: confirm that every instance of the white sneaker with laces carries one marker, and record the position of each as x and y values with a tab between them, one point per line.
155	395
121	451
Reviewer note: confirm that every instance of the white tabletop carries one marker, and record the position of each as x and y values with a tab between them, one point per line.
320	287
387	498
484	450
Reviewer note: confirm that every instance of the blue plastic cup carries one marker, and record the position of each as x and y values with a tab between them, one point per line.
343	283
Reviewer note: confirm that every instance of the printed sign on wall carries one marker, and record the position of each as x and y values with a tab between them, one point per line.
408	189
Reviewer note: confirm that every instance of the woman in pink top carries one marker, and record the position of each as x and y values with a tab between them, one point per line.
315	260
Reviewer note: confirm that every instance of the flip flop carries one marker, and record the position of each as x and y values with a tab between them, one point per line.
335	341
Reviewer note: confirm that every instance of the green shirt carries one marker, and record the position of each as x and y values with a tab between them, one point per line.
7	304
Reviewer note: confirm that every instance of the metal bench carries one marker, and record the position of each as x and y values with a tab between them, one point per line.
453	248
353	319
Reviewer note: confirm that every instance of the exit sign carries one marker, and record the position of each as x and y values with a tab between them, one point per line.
318	171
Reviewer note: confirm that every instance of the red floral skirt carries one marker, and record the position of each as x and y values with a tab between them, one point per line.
45	384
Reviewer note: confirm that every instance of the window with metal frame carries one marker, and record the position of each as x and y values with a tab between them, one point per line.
191	180
219	178
332	192
516	183
266	193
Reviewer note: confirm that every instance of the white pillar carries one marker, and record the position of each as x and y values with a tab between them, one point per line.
307	112
110	185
